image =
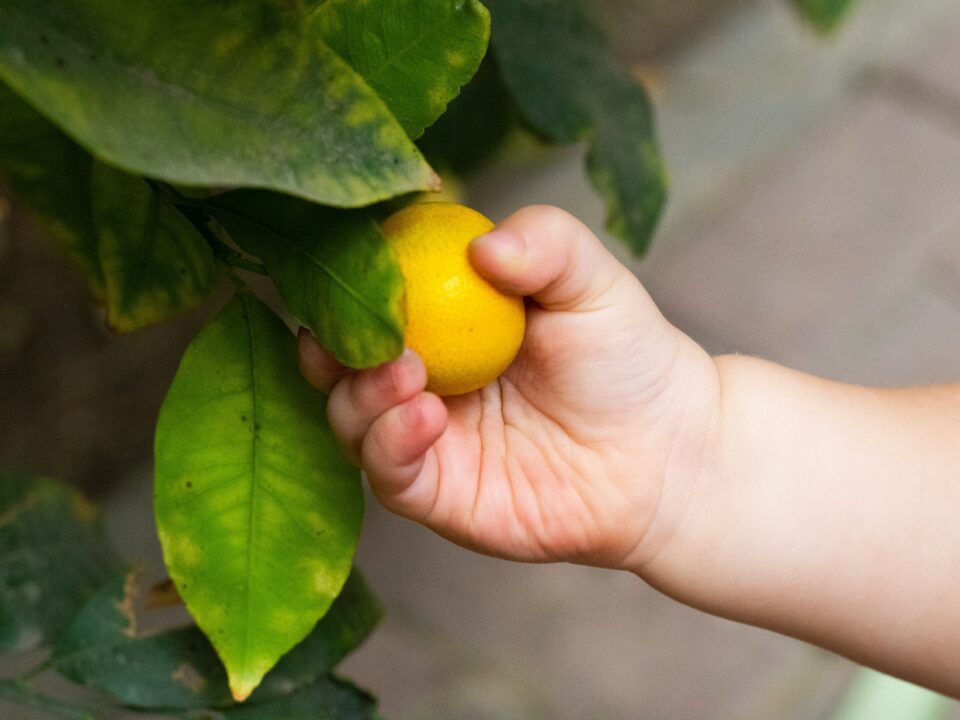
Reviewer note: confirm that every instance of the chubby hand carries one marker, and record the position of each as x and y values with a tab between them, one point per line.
584	450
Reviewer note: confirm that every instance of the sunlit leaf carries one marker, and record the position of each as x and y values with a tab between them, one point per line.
154	262
52	559
333	268
567	84
352	617
257	509
416	54
211	93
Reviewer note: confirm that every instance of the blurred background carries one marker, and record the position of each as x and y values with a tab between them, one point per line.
814	220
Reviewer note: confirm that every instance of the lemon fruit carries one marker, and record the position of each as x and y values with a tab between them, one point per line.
466	331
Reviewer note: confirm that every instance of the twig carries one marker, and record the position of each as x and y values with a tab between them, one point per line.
223	252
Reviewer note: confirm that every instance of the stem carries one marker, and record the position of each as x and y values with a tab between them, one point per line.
234	259
21	694
173	195
223	252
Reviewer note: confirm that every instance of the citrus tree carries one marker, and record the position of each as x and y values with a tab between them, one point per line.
171	147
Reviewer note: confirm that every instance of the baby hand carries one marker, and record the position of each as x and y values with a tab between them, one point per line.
584	450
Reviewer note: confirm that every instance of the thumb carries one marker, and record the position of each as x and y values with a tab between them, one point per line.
548	254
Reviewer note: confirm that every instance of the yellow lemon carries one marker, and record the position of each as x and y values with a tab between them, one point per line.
466	331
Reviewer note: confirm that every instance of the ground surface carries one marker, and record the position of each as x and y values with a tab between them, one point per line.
815	221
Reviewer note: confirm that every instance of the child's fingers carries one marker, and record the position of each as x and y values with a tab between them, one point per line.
393	454
363	396
547	253
320	368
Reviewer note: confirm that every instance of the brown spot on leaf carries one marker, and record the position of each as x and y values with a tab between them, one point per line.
188	676
127	606
163	595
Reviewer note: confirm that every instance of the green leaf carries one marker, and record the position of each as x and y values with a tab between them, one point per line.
351	619
52	559
209	93
180	669
327	699
564	79
308	6
824	15
334	269
142	260
155	263
474	125
51	174
416	54
101	649
258	511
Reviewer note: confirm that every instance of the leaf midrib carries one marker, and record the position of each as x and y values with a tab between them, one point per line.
254	457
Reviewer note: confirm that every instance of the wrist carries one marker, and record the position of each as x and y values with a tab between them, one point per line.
699	526
692	463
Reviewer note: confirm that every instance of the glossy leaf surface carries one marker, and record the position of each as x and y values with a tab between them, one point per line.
416	54
154	262
211	93
333	268
258	512
52	559
564	79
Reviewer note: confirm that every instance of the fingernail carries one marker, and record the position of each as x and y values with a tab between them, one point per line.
401	366
506	246
408	359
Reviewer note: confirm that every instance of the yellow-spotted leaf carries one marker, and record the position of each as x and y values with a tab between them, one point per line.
51	175
52	559
154	262
416	54
217	92
334	269
178	668
258	512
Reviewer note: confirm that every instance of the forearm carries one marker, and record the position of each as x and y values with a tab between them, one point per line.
831	513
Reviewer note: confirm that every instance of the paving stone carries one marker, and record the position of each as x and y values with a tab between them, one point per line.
938	63
820	234
561	642
912	338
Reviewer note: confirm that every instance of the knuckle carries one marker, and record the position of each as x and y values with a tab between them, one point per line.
552	218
